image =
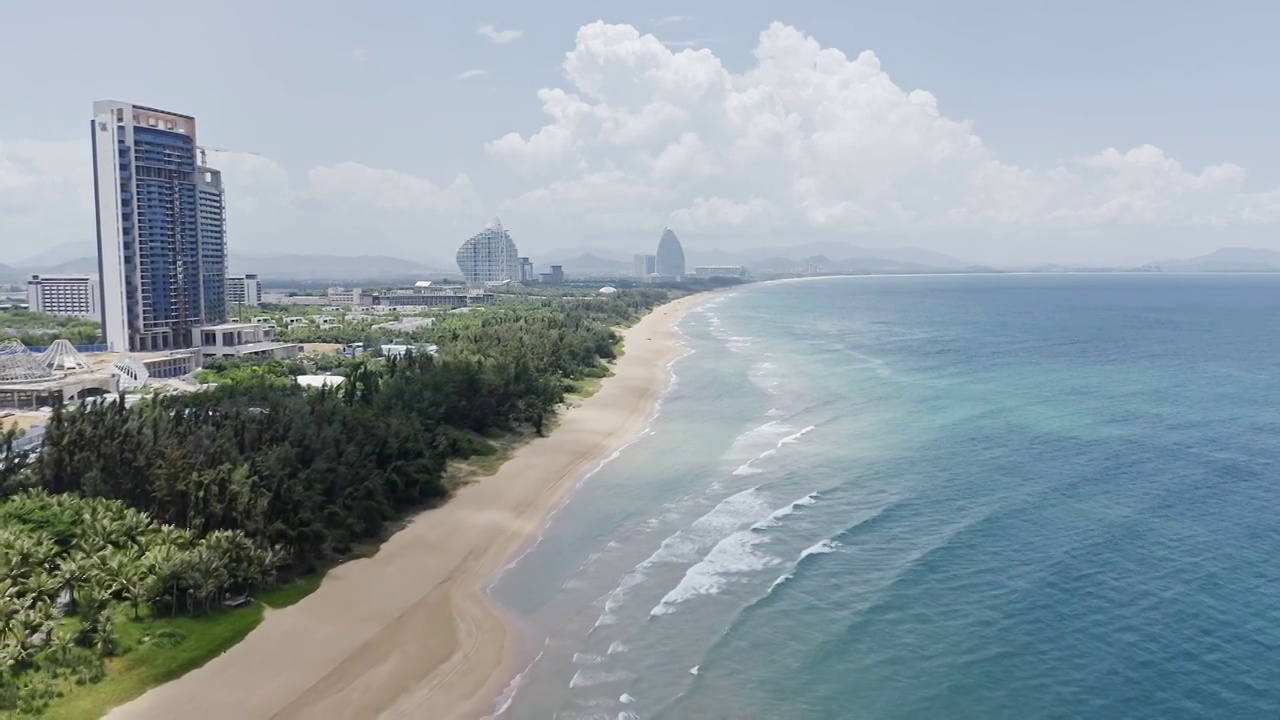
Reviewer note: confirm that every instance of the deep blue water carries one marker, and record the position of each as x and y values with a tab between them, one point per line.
933	497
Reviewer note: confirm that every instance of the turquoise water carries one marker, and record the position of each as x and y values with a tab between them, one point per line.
932	497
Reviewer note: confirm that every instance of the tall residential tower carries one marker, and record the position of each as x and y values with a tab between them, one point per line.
162	246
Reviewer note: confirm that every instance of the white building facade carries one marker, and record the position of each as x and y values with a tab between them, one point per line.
66	295
489	256
710	271
244	290
642	266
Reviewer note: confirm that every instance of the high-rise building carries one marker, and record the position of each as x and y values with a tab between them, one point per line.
555	277
67	295
161	228
212	228
489	256
244	290
644	265
526	270
669	262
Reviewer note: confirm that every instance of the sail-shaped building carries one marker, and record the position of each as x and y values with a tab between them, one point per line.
489	256
669	260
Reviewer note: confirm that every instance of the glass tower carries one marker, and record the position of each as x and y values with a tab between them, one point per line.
161	228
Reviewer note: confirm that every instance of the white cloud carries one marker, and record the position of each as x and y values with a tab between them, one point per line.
46	199
472	73
688	44
46	196
500	37
355	186
805	141
669	20
361	56
809	139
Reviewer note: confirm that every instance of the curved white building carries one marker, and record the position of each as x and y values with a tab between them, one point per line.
669	260
490	256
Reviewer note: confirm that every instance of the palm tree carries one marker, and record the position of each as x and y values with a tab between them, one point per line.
104	640
9	612
138	586
59	649
60	645
74	571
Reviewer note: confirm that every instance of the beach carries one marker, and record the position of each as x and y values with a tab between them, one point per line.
410	632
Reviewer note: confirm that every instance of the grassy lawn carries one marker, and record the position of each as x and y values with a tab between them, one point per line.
145	663
585	388
290	592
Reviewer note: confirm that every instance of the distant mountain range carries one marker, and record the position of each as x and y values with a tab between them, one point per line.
1231	259
589	264
826	256
61	254
335	268
829	256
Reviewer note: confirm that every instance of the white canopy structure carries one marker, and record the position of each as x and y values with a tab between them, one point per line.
19	365
62	356
132	373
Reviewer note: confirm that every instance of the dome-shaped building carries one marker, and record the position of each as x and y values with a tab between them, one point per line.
490	256
669	260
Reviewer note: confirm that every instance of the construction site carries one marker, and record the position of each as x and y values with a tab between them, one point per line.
32	385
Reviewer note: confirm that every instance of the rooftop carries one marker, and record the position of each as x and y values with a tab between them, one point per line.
221	327
262	347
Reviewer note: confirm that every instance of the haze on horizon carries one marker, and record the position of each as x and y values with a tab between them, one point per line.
1088	133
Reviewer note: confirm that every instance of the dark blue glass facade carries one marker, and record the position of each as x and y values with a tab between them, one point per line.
167	234
213	245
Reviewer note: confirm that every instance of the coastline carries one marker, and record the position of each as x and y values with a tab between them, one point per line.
370	641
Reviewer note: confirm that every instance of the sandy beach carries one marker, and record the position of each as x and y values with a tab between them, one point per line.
409	632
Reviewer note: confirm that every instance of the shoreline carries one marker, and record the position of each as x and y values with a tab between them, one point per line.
523	656
374	640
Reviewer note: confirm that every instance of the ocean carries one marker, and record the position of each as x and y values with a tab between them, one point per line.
1018	496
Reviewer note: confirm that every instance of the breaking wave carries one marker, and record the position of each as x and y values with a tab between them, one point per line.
749	468
686	544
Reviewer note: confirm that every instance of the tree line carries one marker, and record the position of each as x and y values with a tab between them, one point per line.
167	506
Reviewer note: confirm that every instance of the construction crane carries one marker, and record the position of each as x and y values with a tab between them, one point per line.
204	148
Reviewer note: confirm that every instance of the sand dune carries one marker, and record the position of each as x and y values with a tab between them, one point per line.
409	633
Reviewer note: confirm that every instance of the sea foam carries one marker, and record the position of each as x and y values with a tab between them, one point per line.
586	677
687	544
749	468
733	555
776	517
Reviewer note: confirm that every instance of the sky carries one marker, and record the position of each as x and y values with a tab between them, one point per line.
998	132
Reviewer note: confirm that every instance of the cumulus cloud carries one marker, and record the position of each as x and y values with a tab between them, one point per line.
472	73
810	139
805	141
500	37
46	199
694	43
46	195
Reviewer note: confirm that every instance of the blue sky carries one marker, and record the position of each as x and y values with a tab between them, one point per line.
363	127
